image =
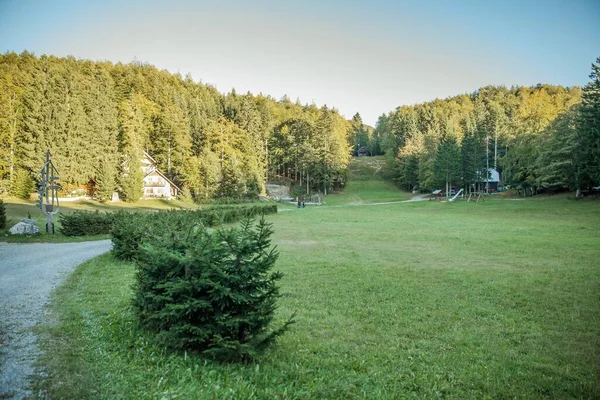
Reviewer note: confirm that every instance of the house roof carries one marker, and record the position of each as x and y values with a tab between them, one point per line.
493	176
150	157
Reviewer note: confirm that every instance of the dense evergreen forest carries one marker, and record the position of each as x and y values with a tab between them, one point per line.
97	118
541	138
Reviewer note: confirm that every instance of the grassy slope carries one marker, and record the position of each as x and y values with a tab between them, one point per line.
460	300
366	185
17	209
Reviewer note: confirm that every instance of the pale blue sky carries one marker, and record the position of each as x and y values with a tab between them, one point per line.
365	56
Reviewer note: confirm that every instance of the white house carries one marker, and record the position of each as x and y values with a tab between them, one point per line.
156	184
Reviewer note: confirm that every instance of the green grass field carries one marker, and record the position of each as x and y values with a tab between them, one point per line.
496	299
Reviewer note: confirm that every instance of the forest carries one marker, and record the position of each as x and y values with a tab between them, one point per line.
97	118
543	138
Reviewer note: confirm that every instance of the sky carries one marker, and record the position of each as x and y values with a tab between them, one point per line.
357	56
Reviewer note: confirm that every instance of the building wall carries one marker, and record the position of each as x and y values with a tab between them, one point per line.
156	186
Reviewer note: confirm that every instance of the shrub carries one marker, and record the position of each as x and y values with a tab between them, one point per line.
2	215
126	234
209	291
86	223
129	229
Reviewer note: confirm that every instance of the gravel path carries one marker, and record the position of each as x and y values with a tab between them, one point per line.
28	274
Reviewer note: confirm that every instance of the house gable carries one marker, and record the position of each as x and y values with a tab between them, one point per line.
156	184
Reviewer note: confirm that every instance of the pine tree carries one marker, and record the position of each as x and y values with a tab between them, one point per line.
358	134
31	142
218	298
106	181
447	161
587	149
131	180
171	143
472	152
22	185
131	135
11	90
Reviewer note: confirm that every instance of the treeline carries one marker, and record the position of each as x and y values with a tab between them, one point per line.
539	138
97	118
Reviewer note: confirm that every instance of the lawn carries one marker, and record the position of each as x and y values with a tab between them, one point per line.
496	299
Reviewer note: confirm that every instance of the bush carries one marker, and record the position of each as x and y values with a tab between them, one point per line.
226	200
209	291
2	215
129	229
126	234
86	223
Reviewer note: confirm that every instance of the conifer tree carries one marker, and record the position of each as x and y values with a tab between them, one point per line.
131	178
11	91
131	134
106	181
31	141
447	161
22	185
358	134
472	152
587	149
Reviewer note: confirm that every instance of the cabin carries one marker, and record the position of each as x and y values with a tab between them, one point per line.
156	184
491	182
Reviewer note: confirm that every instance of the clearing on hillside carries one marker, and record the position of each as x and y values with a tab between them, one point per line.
366	184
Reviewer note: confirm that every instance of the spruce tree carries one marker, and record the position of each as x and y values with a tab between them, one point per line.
472	152
446	166
22	185
587	154
358	133
217	298
12	84
131	181
106	182
132	130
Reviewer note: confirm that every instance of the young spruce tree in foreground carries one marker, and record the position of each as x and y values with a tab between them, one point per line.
209	291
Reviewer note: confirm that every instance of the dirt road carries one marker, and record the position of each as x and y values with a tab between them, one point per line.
28	274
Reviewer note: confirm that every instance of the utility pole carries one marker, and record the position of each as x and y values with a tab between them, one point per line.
496	148
487	163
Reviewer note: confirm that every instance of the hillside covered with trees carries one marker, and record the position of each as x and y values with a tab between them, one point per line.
540	138
97	118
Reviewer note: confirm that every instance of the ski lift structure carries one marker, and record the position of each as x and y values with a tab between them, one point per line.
48	192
